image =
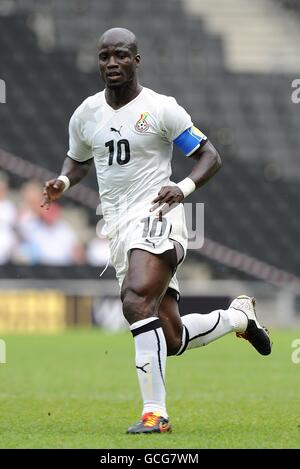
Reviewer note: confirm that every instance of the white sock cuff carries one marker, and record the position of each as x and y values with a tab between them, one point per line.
149	407
142	322
238	319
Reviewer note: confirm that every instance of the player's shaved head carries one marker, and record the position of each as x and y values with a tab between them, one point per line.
118	61
119	37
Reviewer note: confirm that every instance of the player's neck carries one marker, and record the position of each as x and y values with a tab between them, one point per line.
119	97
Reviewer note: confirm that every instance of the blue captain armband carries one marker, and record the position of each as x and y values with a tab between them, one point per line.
190	140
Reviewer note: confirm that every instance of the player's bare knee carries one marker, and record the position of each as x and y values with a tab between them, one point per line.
172	349
173	345
135	306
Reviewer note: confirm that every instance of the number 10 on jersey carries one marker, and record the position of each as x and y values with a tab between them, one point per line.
119	152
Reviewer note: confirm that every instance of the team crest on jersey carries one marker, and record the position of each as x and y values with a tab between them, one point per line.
142	125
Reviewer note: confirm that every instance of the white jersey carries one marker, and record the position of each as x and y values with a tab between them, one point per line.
131	146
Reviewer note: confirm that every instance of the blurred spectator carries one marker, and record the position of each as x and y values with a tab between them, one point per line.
33	235
30	209
8	212
98	252
45	237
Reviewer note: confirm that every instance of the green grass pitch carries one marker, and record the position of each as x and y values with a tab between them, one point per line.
79	389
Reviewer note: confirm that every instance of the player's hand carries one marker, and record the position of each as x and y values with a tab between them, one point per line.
52	190
167	198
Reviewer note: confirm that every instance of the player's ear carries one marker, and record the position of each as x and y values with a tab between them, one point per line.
137	59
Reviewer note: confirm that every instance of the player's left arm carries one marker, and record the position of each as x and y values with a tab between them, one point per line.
208	162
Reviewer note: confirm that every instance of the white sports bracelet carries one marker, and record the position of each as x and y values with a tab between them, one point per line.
187	186
65	180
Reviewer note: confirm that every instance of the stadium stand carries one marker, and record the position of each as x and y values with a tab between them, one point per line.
291	5
253	203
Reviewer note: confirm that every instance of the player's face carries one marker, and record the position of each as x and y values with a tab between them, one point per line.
117	64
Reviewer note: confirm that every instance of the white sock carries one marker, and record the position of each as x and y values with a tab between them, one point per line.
201	329
150	360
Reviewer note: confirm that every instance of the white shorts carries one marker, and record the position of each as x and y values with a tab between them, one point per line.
149	234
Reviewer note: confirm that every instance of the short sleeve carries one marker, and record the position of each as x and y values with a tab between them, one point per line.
79	150
174	119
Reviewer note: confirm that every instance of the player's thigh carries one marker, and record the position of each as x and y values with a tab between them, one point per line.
148	274
171	323
146	281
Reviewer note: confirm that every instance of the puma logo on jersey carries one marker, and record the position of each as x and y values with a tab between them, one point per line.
112	129
142	367
150	242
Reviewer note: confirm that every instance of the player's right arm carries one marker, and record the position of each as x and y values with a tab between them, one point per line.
75	172
76	164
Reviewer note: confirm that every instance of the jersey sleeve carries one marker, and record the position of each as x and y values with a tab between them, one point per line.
174	119
79	150
178	128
